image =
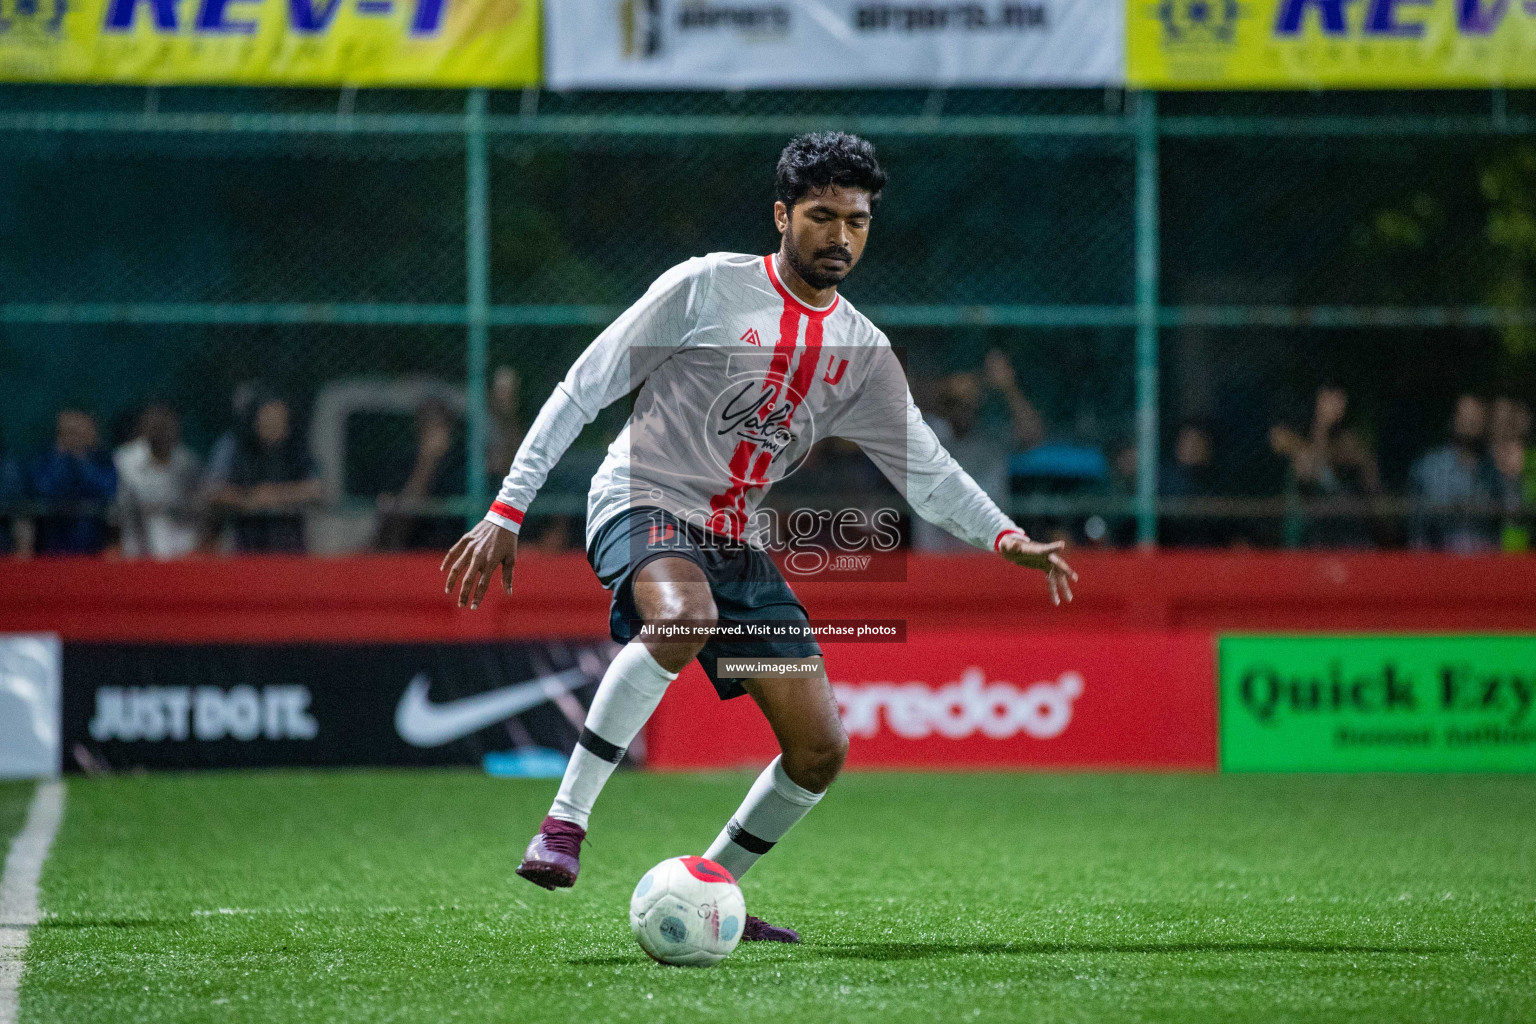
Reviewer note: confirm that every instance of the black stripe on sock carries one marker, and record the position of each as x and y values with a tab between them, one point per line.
601	747
746	840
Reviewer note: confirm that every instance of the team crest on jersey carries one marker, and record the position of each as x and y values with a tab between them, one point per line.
751	337
759	413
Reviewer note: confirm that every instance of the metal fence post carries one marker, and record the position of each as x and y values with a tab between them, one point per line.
1146	318
477	260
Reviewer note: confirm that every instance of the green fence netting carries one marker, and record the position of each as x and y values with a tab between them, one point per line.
1172	278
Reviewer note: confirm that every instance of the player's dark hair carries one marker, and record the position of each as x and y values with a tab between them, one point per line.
816	161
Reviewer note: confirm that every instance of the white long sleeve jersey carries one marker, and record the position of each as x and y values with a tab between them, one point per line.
738	378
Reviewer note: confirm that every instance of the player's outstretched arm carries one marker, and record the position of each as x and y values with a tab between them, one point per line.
472	562
1020	550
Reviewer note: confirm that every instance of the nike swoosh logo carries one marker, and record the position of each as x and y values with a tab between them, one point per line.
424	724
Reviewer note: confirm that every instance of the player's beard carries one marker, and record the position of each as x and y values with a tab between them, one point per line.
807	268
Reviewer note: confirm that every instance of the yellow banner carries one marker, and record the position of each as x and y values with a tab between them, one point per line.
271	42
1238	44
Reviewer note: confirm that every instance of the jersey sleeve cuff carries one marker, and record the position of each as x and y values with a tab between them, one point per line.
997	541
505	516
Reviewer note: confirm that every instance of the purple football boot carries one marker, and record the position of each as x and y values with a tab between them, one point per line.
553	859
758	930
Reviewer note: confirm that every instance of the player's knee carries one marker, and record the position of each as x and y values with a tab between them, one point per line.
814	765
681	629
678	605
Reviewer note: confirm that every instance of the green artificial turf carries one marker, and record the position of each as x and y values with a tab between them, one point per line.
383	896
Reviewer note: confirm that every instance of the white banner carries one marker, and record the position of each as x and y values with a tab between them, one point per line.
764	44
30	669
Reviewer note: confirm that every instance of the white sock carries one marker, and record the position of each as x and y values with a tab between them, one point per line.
629	692
773	805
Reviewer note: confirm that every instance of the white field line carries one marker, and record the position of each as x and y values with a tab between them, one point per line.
18	889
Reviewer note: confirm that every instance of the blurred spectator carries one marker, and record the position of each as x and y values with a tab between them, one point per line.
1330	461
271	479
77	472
122	427
1509	429
1028	425
157	489
550	535
1124	470
835	466
1062	469
437	471
221	461
12	489
981	448
505	424
221	457
1190	473
1455	486
834	475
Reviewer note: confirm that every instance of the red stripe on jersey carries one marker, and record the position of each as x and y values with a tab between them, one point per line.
783	352
805	373
730	516
506	511
745	471
789	297
998	541
760	470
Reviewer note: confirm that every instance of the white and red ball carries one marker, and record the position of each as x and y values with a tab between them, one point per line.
687	911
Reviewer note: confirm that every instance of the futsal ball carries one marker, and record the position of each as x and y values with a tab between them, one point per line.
687	911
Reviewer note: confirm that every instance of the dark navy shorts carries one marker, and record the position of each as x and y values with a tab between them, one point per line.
746	585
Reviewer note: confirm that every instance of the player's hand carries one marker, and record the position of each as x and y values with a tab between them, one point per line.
1045	557
472	562
998	369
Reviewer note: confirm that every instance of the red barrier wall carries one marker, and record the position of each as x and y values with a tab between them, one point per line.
401	597
989	672
980	699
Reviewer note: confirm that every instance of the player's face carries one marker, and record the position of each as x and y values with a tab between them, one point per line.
824	234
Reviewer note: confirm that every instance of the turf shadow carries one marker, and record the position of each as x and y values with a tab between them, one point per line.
934	950
939	950
68	923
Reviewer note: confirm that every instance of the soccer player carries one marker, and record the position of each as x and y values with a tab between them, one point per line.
741	362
